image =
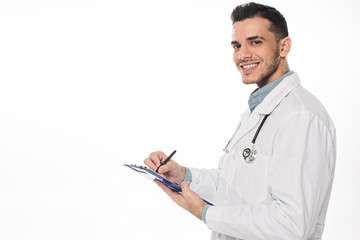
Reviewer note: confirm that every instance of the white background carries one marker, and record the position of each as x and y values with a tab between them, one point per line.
86	86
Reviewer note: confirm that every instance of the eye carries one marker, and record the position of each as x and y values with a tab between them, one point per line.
236	46
256	42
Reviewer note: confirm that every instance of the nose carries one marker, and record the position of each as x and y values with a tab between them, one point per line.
244	52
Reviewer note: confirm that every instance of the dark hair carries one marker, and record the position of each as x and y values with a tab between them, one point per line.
250	10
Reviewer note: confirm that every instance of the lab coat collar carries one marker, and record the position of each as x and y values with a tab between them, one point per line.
273	99
251	119
278	94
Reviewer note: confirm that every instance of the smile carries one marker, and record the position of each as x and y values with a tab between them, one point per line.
248	68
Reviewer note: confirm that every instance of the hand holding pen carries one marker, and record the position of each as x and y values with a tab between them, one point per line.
172	171
166	160
168	169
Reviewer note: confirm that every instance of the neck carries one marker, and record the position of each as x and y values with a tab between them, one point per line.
281	70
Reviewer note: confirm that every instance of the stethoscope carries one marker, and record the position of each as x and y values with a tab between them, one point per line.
249	154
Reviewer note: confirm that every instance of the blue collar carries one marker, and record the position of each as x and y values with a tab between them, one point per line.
259	94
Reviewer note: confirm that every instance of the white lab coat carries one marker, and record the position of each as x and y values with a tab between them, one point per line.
284	193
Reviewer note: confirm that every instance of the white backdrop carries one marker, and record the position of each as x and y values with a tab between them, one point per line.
86	86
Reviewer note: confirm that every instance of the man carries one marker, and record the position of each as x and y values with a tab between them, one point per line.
275	177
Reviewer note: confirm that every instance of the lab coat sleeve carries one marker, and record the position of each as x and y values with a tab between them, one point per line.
208	176
299	180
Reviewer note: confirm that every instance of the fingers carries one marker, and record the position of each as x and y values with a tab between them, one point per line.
154	160
188	200
171	170
163	186
188	194
150	164
176	197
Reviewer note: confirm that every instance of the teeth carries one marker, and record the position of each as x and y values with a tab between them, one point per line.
249	66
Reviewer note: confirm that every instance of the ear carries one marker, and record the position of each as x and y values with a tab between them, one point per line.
284	46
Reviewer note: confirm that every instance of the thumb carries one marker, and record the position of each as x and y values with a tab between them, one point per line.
185	187
168	167
164	169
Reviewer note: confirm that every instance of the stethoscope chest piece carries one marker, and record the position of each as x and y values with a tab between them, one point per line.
249	154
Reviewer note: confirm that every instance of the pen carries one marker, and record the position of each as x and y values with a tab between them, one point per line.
166	160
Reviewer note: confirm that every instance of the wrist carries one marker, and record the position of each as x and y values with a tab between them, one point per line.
200	210
182	174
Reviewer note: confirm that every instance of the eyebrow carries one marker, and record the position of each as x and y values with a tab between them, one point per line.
248	39
254	37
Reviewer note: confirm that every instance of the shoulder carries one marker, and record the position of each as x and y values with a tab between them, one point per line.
300	102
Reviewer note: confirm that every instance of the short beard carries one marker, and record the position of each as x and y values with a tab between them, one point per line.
271	69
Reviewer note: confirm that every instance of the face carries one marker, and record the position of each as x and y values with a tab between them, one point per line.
256	51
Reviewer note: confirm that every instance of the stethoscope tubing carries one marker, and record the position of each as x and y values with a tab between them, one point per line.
259	128
249	154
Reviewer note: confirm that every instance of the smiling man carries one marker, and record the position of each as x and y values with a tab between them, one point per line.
275	177
260	47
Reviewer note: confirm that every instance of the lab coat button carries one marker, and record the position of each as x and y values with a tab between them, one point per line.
218	236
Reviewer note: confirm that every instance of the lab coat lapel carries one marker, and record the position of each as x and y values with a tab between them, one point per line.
247	123
278	94
250	120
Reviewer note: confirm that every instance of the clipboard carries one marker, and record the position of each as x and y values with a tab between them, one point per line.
151	175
